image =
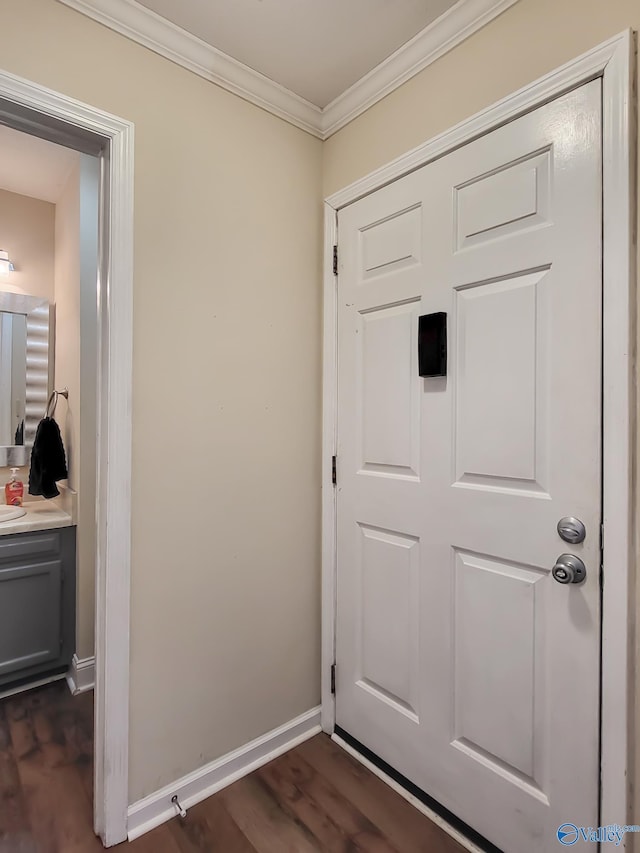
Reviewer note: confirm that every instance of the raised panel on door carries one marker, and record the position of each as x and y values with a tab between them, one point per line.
30	613
389	404
388	618
510	199
499	616
391	244
501	426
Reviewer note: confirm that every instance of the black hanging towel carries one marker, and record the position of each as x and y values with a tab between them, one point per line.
48	461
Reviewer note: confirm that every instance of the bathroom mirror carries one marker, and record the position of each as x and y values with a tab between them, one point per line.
26	368
13	377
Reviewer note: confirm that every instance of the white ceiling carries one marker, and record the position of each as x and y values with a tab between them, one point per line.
315	48
32	166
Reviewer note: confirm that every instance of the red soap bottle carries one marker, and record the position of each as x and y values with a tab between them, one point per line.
14	489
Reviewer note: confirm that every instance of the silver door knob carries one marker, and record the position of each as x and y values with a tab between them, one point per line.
569	569
571	530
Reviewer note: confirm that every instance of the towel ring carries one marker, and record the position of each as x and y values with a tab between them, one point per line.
54	399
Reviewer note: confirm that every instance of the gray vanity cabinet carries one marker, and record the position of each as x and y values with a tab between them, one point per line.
37	604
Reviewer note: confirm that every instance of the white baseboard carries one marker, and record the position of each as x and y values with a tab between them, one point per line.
38	682
82	674
157	808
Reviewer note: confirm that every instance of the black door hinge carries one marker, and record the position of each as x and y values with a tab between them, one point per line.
334	470
333	679
335	260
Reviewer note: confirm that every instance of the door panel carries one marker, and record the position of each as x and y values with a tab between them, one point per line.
497	432
392	244
390	409
389	566
460	661
497	604
512	199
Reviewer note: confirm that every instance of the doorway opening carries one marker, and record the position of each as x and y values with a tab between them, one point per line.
102	148
48	411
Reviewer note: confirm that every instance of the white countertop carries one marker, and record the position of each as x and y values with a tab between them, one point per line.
41	515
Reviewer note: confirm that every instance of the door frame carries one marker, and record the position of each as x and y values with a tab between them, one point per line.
614	62
34	109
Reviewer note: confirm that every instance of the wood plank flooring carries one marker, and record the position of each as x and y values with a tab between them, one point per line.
314	798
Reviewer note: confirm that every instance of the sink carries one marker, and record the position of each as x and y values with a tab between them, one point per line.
10	513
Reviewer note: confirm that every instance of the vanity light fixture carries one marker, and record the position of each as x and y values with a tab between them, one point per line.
5	264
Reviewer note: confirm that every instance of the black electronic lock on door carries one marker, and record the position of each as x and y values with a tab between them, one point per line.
432	344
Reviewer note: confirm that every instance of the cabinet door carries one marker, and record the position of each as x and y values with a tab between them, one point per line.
30	611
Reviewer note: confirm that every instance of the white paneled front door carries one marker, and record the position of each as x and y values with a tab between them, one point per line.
461	661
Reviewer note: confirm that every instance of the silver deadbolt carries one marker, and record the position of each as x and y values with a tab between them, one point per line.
571	530
569	569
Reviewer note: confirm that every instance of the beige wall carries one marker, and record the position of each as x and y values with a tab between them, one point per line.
226	394
27	234
27	227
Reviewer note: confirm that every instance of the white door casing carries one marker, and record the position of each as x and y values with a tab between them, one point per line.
460	661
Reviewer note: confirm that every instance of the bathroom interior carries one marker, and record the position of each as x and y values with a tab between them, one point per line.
48	357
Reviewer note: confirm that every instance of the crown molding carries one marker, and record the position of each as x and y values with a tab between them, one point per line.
441	36
154	32
145	27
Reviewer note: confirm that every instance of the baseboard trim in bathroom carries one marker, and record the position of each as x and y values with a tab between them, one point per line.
31	685
157	808
82	675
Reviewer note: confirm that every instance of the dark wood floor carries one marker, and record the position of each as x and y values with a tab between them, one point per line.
314	798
